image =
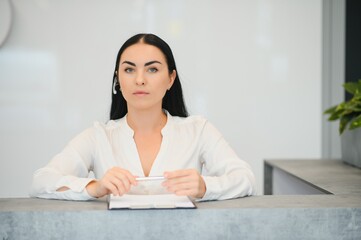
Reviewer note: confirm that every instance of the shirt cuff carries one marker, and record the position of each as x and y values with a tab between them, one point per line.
75	184
77	187
209	194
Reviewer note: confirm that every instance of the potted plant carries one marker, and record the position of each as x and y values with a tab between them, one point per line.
349	115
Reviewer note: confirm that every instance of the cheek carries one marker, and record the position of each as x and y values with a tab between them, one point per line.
124	81
164	82
163	87
124	87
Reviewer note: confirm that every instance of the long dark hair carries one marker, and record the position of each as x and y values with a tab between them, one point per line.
172	101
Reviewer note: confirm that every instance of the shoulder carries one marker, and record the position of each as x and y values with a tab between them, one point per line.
195	121
196	129
98	126
109	125
97	131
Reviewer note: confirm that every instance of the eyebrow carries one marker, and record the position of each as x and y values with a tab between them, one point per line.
146	64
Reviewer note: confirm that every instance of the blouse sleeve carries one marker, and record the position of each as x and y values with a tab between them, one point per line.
227	176
70	169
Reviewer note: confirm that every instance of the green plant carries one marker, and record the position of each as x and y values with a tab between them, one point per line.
348	112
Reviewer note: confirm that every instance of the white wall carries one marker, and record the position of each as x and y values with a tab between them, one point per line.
253	68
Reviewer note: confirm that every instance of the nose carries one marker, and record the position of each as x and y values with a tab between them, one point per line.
140	79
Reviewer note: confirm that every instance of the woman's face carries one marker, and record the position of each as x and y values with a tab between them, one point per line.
144	77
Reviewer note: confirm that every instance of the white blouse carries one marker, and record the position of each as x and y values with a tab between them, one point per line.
190	142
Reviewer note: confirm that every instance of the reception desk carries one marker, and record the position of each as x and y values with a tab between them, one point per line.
318	216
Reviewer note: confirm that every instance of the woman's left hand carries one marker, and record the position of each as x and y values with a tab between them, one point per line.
186	182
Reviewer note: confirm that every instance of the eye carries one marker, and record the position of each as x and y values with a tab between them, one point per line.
129	70
153	70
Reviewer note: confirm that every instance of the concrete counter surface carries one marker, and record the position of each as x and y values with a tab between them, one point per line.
254	202
335	215
329	176
257	217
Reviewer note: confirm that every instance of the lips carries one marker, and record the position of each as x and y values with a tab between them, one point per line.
140	93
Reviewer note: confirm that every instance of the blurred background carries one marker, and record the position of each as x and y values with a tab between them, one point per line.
261	71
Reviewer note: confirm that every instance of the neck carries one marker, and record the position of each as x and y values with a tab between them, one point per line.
146	121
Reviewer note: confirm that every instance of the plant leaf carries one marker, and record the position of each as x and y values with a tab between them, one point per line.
357	95
341	106
343	123
335	115
355	123
352	87
352	106
350	111
330	110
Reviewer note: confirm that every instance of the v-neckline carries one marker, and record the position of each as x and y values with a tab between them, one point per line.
139	161
154	170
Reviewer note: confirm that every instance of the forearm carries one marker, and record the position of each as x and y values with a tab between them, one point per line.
233	185
48	183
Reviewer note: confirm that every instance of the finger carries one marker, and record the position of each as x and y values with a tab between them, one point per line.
176	181
193	189
112	188
130	177
186	185
182	187
184	192
121	185
120	178
177	173
121	173
188	192
184	176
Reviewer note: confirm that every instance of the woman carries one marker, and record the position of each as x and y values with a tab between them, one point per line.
149	134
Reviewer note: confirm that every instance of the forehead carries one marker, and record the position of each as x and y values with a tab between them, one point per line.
142	53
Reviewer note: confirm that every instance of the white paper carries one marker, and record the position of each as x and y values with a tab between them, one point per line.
149	201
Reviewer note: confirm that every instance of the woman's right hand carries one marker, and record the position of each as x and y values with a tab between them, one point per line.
116	181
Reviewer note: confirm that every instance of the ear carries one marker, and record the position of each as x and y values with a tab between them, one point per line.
172	77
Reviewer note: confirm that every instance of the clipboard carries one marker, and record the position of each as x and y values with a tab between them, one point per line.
158	201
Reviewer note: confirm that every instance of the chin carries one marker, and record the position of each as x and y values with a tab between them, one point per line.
145	106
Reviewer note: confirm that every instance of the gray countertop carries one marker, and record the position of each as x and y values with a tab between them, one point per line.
325	216
332	176
254	202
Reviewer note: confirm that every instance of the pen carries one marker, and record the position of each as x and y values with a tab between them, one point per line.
149	178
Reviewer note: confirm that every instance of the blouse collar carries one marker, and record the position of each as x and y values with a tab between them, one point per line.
123	123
